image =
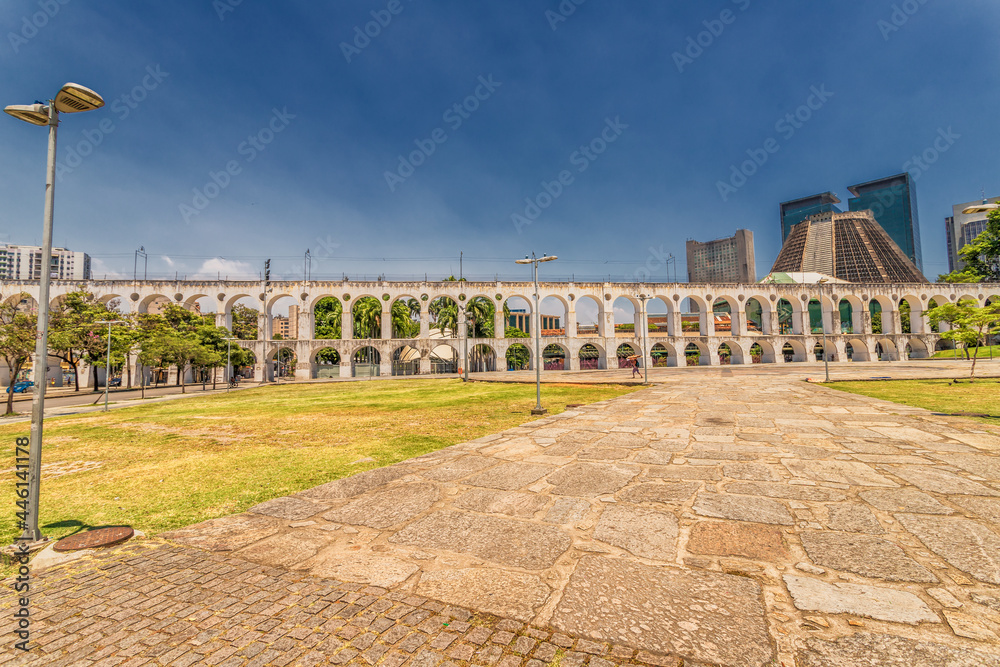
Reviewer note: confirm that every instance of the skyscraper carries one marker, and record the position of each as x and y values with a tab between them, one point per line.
851	246
729	260
794	212
893	201
961	229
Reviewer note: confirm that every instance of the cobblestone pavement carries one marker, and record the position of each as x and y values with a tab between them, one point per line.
723	519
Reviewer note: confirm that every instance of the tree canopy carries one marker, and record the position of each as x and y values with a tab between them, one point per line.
981	257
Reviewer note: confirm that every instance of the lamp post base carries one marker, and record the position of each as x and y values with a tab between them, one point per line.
539	411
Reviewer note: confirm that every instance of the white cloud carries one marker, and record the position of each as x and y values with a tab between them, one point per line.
169	261
99	270
226	268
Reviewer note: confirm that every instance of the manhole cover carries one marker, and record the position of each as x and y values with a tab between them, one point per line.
91	539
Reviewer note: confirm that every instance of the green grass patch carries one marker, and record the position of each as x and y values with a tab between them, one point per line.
948	396
174	463
984	353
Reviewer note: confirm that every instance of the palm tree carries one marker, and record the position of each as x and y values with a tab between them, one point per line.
480	313
444	313
329	317
403	324
367	313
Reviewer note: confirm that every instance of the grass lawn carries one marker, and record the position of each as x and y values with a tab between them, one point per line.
981	396
984	353
170	464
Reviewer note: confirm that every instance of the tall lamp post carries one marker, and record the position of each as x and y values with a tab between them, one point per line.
463	325
645	328
822	320
71	98
135	263
107	363
229	362
538	409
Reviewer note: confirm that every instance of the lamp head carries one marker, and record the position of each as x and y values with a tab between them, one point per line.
73	98
548	258
36	114
981	208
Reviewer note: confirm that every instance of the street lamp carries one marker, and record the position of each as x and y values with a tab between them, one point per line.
645	327
985	207
229	363
822	320
538	409
107	366
71	98
135	263
464	332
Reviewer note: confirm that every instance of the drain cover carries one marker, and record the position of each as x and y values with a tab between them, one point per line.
91	539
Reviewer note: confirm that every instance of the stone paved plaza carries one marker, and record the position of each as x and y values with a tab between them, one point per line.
717	518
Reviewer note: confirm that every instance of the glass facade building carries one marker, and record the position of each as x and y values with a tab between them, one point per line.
893	201
796	211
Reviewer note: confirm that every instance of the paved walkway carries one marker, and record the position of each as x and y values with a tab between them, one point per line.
719	519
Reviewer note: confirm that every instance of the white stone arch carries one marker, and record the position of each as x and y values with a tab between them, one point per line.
191	299
860	350
704	352
564	318
918	348
670	350
599	319
799	352
567	357
600	361
149	299
738	353
768	354
889	350
519	343
480	362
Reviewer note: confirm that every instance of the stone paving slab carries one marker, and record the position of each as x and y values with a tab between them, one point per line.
740	519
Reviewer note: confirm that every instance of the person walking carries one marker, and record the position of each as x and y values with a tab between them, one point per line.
635	367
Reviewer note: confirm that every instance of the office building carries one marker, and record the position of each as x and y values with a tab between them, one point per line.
24	262
794	212
729	260
286	327
961	229
851	246
521	319
893	201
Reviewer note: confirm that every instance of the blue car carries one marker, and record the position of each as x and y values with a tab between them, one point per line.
21	387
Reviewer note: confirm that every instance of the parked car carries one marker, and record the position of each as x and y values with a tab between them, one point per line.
20	387
116	382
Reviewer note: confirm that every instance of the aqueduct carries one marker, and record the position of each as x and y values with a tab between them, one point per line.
766	323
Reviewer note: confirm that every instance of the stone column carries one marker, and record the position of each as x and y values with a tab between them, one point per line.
346	370
303	370
606	323
917	321
425	365
769	322
425	325
220	320
499	323
307	324
570	323
893	324
866	322
834	322
707	321
674	326
386	323
347	323
263	326
739	323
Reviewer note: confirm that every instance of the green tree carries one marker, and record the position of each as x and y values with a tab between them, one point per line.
367	316
981	257
245	322
329	317
444	315
481	314
17	343
970	324
403	323
75	335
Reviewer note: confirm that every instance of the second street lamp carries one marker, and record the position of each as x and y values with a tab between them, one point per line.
229	363
643	317
71	98
538	409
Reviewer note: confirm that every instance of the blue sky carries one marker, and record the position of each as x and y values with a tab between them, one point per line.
300	130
